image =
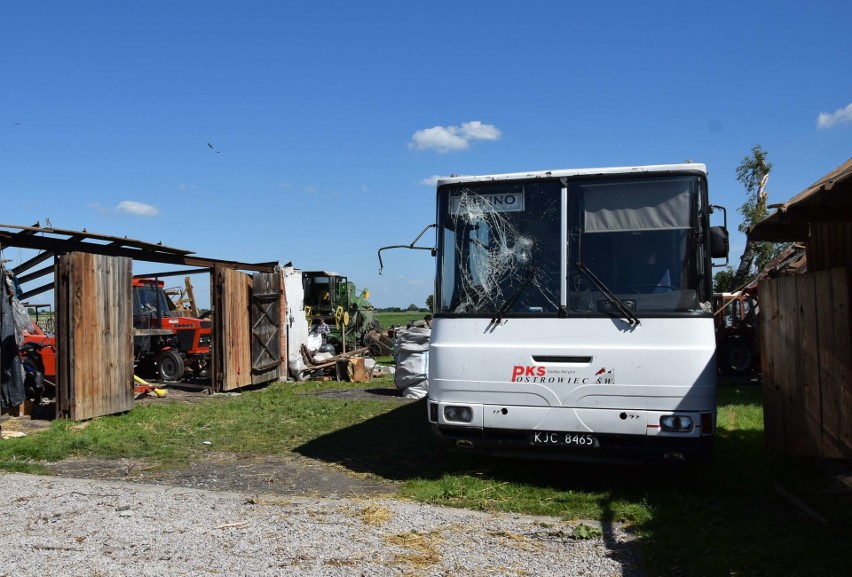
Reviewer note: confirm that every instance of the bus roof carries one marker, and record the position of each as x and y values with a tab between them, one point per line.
626	170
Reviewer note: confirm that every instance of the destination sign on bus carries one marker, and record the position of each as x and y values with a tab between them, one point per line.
494	202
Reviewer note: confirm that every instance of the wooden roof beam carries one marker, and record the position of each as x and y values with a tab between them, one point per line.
34	275
36	291
38	259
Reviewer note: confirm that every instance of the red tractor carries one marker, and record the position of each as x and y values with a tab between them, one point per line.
38	356
166	344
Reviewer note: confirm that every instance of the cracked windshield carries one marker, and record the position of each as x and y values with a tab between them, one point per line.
500	247
629	245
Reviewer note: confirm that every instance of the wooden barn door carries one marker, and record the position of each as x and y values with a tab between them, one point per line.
94	335
231	330
245	329
265	327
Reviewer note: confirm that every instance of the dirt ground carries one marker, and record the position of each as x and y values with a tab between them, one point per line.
287	474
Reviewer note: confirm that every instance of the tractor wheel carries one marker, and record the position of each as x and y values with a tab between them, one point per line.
736	358
170	363
33	381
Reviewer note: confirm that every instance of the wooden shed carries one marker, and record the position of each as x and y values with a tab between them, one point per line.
92	277
806	323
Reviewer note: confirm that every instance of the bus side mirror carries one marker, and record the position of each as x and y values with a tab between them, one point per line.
719	245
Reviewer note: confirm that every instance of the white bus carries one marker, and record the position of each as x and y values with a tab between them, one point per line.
573	314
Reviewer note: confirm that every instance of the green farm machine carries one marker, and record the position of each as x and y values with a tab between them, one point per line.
331	297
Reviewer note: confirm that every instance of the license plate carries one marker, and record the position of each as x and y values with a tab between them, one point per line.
547	439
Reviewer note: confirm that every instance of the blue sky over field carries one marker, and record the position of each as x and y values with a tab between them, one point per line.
314	132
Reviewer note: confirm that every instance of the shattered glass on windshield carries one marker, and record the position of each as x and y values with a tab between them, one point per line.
500	248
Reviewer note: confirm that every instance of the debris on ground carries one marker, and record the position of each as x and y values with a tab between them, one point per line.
321	365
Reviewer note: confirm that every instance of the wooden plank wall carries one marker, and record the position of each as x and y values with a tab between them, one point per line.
95	335
806	351
232	330
830	246
834	293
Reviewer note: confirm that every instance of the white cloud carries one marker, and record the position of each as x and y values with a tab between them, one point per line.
453	138
477	131
187	186
137	208
839	116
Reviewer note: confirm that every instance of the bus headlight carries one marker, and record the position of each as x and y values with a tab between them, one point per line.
458	414
676	423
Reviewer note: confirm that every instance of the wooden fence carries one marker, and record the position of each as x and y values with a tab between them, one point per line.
806	351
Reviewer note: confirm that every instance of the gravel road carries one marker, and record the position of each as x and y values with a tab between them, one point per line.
68	527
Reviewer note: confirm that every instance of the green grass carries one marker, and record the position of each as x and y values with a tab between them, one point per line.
389	319
725	519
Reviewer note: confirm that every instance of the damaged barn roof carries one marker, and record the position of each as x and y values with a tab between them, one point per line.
53	241
827	200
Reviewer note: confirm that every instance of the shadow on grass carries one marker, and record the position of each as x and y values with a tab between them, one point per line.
395	445
723	519
399	445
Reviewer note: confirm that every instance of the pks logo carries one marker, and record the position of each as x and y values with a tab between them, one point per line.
605	376
519	371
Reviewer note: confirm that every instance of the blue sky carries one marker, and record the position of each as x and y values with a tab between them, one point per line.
329	121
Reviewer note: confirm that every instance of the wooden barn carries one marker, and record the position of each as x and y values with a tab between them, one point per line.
806	323
91	276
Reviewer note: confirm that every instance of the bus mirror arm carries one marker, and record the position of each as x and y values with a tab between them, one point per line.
410	246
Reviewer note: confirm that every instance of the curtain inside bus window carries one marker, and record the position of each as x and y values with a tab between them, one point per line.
643	205
635	236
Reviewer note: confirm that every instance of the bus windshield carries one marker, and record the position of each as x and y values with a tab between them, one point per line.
532	248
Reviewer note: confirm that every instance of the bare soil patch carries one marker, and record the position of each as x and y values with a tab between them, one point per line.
283	474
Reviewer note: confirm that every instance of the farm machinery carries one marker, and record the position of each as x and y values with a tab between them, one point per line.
737	344
165	343
332	298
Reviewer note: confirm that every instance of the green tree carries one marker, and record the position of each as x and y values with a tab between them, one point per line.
753	173
413	307
430	300
722	280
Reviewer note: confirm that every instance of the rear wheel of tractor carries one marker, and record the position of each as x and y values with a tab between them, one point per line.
736	357
170	365
33	381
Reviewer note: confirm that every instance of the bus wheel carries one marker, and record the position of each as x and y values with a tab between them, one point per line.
170	363
736	357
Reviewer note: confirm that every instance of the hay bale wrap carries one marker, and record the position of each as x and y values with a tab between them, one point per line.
412	362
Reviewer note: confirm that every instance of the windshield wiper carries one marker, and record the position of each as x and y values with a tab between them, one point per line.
528	278
616	302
